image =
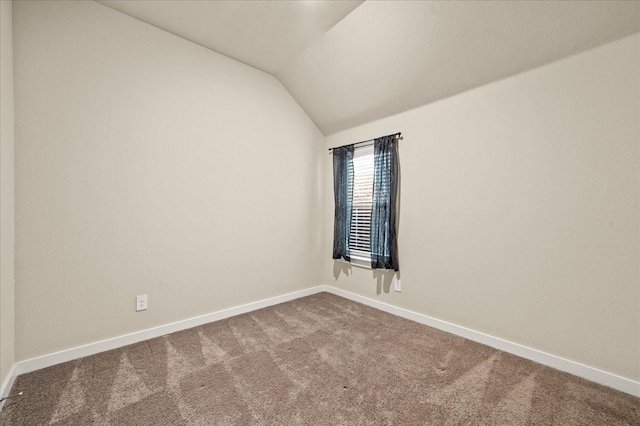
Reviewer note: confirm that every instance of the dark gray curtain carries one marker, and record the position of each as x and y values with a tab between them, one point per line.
342	184
384	245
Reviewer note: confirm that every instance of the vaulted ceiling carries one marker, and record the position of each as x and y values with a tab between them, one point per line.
350	62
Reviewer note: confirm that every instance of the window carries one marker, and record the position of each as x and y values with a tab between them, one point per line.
361	200
365	184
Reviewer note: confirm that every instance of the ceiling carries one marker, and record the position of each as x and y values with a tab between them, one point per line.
351	62
264	34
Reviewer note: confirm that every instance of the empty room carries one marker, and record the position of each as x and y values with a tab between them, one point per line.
319	212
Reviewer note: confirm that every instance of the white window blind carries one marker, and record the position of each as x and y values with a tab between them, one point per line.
361	197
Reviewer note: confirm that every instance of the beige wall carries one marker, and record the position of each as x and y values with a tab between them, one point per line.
144	160
146	164
7	200
519	209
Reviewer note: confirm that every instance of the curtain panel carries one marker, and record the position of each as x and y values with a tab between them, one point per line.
342	184
384	245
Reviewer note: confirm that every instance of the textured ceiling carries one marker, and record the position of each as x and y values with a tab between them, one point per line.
264	34
387	57
347	63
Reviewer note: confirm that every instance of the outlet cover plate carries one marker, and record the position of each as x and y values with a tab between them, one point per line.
141	303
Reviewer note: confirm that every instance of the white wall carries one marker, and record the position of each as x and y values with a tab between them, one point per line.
7	199
146	164
520	209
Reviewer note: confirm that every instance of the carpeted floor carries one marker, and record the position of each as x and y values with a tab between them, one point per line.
319	360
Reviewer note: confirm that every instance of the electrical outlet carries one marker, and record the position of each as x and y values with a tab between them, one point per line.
396	284
141	303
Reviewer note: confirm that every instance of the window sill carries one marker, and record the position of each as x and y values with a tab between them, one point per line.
362	264
358	263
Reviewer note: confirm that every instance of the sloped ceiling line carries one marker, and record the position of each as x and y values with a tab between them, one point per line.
350	62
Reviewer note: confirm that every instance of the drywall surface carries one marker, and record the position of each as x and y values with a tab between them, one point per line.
519	209
417	52
7	199
146	164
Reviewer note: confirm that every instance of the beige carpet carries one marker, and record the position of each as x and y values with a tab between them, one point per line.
320	360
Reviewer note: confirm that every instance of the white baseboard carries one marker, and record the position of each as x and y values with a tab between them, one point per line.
8	383
593	374
139	336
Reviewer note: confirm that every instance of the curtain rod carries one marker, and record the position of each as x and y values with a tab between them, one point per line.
368	140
